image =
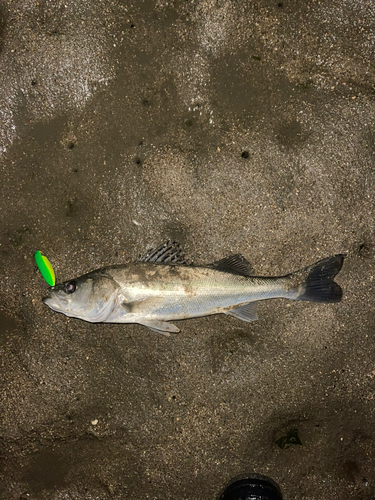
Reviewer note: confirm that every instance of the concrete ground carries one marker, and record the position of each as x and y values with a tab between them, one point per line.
233	127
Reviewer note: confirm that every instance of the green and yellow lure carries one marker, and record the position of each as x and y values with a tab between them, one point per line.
45	268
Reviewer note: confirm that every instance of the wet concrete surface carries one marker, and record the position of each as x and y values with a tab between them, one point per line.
231	126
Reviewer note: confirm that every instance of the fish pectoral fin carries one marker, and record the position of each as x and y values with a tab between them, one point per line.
248	312
159	326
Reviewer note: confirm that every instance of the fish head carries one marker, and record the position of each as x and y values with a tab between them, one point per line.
91	297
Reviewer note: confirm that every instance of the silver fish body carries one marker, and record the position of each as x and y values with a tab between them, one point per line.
161	287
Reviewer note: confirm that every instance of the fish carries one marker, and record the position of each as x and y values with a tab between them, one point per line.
161	286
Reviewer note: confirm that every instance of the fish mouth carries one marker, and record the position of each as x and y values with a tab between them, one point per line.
54	302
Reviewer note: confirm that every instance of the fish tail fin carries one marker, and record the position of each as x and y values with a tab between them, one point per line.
318	285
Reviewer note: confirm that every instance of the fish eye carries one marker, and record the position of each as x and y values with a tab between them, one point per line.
70	287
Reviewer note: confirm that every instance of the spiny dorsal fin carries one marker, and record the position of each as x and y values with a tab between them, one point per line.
235	264
166	253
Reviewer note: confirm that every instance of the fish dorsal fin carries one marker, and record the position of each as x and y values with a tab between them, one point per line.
166	253
235	264
247	312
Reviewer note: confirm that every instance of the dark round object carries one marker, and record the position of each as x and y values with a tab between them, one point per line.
252	487
70	287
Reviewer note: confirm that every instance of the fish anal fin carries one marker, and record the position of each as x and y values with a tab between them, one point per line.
247	312
235	264
158	326
166	253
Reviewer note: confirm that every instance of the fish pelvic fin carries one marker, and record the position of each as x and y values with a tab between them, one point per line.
318	285
159	326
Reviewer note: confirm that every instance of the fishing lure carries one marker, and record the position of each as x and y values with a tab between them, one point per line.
45	268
